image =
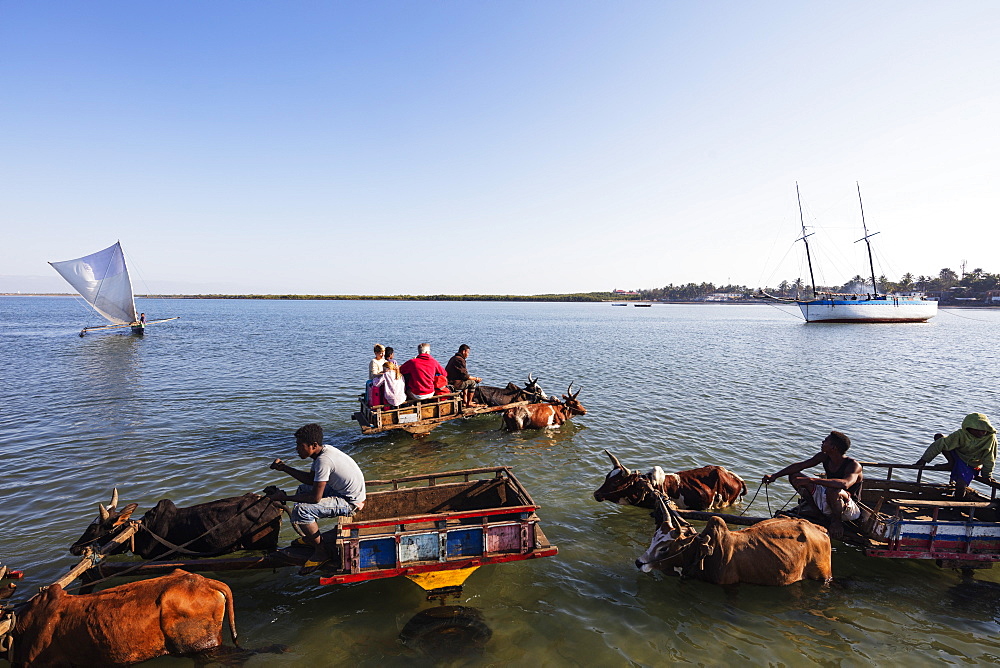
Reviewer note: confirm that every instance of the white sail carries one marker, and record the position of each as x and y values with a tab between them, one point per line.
102	279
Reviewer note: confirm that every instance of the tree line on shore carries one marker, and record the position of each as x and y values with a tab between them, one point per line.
946	286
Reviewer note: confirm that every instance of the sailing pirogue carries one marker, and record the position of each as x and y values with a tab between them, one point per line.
102	280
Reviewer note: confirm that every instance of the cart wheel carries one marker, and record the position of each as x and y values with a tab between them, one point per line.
446	631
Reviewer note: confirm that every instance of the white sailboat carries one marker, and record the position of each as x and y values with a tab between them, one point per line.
102	280
857	307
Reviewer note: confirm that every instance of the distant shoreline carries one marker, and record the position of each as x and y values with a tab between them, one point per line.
595	298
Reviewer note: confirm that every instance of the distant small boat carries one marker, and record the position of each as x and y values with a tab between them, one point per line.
102	280
642	305
619	304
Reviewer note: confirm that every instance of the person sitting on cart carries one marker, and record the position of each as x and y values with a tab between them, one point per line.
334	487
421	372
459	378
835	494
390	385
970	451
376	363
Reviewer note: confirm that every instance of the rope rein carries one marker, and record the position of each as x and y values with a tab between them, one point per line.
743	512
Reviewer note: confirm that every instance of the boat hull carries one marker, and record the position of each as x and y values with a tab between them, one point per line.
890	309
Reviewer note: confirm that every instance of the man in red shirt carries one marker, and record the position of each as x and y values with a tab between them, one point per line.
420	373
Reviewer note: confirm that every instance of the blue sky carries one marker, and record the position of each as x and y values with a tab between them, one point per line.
494	147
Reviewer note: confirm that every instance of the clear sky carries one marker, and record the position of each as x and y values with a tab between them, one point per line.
515	147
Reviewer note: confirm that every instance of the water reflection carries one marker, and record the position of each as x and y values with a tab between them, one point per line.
105	372
447	633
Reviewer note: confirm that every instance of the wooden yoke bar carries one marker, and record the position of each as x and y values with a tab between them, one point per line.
89	561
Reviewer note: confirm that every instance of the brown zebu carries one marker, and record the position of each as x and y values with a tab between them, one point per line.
772	552
540	416
702	488
180	613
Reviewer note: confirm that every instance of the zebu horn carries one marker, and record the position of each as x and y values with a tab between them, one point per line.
3	572
665	509
617	464
104	512
114	498
569	391
531	381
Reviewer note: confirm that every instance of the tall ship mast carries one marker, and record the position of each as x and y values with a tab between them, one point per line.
857	307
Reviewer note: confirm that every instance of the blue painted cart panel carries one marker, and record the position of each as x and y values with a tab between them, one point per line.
378	553
419	547
465	542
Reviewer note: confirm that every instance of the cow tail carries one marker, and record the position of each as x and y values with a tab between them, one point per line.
227	593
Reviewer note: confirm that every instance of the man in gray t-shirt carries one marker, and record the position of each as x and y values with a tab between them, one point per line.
335	486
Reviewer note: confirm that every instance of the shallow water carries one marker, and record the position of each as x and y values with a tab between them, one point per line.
198	408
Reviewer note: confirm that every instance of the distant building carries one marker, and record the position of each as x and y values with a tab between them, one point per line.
723	297
624	292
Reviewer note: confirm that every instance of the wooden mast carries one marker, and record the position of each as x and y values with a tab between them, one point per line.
867	236
805	236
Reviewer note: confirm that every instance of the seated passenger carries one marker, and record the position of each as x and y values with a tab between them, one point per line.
459	378
970	451
421	372
836	494
377	362
390	385
333	487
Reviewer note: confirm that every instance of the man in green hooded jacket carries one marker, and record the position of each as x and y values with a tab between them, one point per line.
970	451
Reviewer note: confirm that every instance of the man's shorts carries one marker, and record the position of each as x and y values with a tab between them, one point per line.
328	506
851	509
460	385
962	471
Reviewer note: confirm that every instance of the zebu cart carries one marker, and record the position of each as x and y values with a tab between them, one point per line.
435	529
421	416
917	519
910	517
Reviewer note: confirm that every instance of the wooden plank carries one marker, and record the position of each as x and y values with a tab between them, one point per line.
443	474
704	516
923	503
88	562
271	560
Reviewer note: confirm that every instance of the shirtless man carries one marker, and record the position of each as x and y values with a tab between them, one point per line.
835	494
